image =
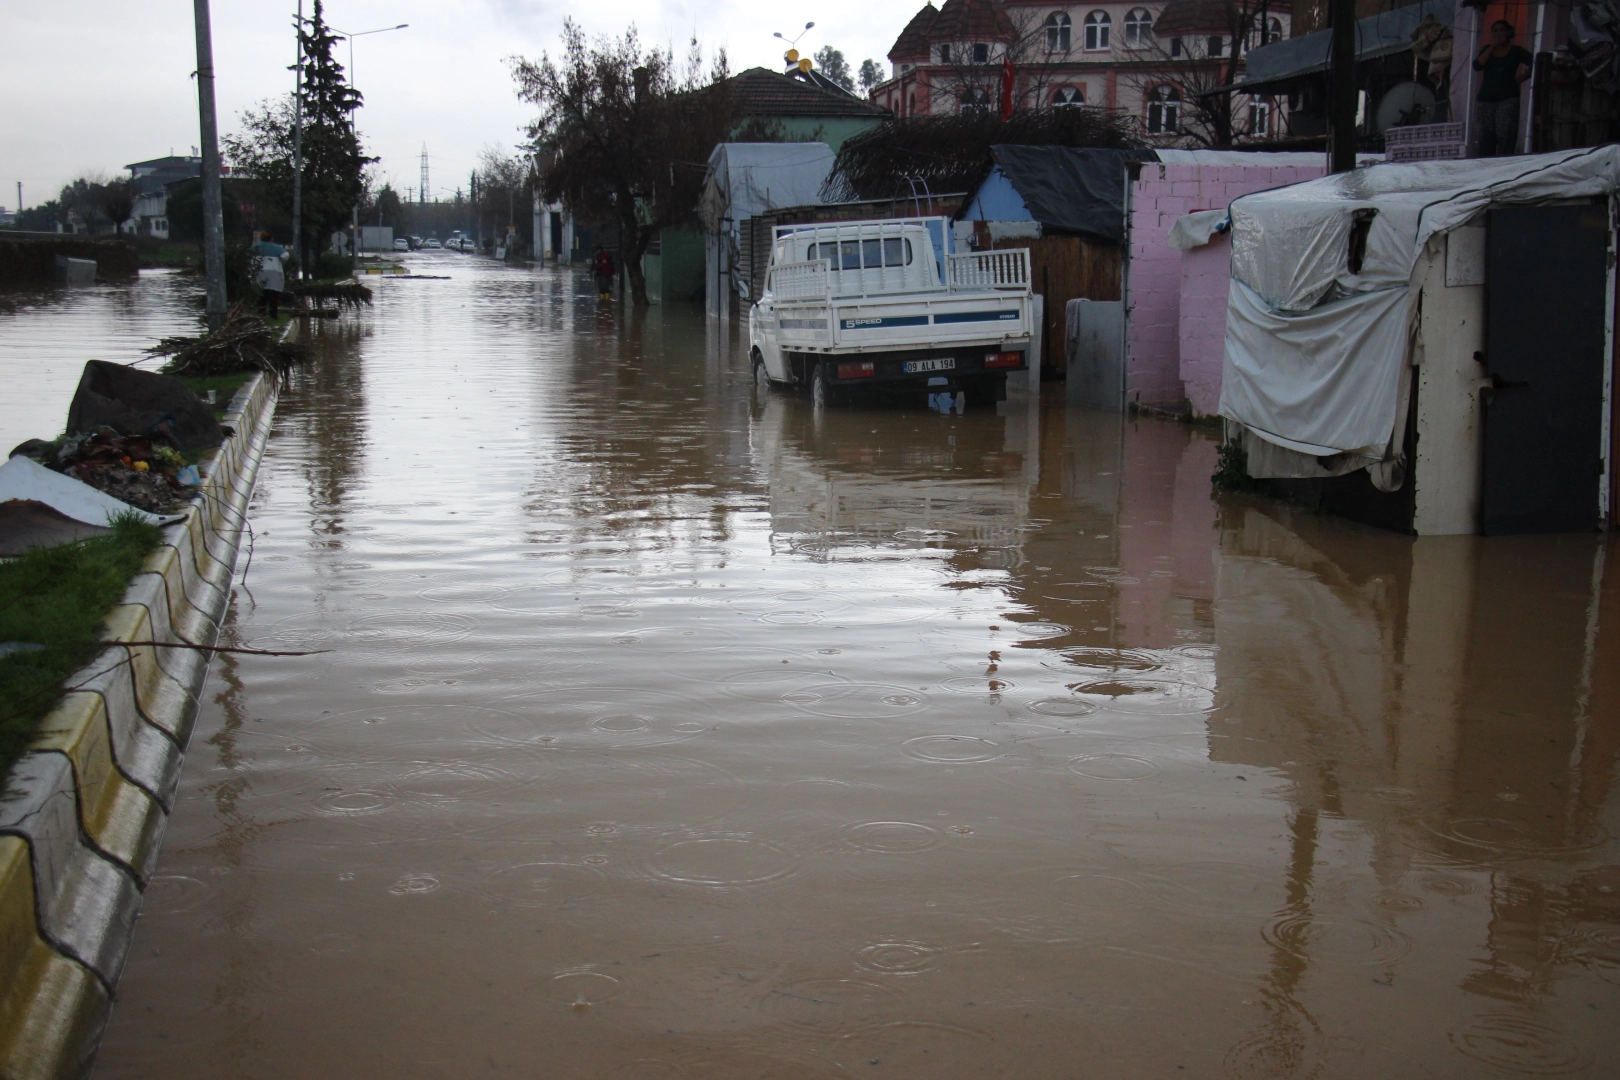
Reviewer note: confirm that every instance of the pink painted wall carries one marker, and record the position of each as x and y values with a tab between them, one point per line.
1206	274
1167	536
1160	195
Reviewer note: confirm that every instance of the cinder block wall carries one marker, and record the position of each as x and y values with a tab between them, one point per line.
1155	337
1205	275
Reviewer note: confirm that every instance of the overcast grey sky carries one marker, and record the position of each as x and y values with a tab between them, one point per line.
92	85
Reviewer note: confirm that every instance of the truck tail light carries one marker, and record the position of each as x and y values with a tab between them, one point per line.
1003	359
860	370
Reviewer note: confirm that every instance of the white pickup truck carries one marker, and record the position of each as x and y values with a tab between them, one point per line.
880	306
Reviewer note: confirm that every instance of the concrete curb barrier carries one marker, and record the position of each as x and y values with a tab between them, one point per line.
85	807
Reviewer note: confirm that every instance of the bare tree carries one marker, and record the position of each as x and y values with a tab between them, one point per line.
629	131
1037	43
1186	63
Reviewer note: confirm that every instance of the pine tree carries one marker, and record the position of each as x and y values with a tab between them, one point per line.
333	158
334	161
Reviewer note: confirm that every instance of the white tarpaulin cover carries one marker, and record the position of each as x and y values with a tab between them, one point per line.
1197	228
746	179
1314	352
27	480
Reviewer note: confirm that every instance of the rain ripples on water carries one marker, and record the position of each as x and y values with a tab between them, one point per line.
670	728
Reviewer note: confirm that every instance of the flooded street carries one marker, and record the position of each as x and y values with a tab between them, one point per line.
46	335
665	728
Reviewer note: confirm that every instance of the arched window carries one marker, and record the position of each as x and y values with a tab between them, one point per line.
1097	24
1065	96
1138	29
1273	31
976	99
1057	32
1164	111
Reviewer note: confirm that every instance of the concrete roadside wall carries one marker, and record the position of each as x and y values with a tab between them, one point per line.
86	805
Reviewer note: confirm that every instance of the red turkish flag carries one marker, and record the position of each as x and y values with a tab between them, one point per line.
1006	86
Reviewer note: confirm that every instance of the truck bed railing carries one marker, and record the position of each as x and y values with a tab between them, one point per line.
992	270
796	280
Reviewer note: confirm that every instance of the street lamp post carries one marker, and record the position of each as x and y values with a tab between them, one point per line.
354	238
794	40
298	147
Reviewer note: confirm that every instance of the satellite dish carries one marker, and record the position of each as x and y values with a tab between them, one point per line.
1404	103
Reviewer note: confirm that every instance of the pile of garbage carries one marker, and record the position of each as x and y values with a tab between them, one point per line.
244	342
146	473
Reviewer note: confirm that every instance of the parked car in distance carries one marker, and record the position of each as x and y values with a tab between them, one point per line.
432	244
402	244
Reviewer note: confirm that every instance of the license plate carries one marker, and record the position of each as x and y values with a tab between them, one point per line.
946	364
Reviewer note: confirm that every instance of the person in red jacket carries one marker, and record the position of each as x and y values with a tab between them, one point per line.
602	270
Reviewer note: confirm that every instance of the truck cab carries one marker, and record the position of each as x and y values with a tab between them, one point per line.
884	308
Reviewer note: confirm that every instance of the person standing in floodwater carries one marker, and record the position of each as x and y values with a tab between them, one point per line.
268	274
602	271
1496	108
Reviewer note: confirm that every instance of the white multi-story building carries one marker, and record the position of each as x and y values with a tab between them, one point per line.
1150	61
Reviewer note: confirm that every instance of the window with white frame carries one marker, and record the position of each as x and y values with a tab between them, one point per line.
1217	45
1098	24
1138	29
1176	48
1058	26
1164	110
1065	96
945	53
1260	117
981	53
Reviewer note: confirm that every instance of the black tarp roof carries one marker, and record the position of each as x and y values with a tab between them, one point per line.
1071	190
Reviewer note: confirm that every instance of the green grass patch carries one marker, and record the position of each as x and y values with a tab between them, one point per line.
59	597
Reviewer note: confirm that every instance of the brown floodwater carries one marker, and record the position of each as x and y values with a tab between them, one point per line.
668	729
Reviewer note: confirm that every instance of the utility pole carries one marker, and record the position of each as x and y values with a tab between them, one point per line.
213	219
1343	93
298	149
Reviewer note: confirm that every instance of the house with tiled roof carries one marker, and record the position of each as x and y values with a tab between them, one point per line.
1149	60
800	106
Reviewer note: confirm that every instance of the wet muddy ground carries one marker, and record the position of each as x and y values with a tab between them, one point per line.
667	729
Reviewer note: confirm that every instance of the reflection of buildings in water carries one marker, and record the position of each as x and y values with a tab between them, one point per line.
858	479
1456	696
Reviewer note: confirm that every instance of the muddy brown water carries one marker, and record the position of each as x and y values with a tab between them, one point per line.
669	730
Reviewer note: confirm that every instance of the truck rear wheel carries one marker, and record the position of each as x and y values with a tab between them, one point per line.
821	394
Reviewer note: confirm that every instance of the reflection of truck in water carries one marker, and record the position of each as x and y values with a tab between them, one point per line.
834	487
881	306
